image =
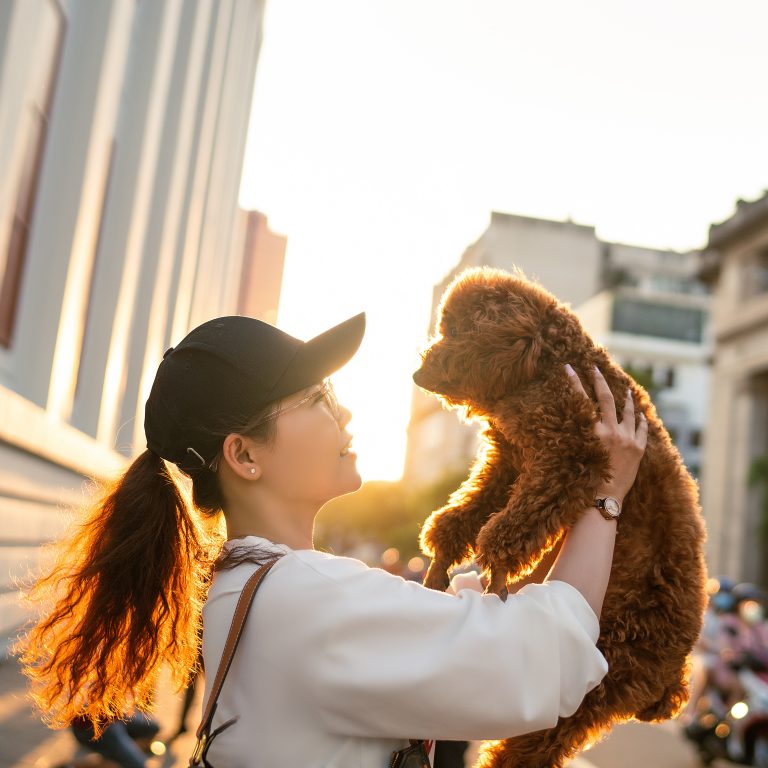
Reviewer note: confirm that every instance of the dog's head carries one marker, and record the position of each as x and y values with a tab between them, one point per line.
495	331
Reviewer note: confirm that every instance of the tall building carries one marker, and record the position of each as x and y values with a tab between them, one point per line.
122	133
735	263
264	259
646	306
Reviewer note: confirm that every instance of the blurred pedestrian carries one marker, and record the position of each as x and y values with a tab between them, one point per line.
125	742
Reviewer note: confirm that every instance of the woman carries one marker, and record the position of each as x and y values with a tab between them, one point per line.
339	664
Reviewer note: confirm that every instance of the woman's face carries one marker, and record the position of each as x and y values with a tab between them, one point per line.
305	462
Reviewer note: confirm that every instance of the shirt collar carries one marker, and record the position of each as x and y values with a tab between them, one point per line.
256	541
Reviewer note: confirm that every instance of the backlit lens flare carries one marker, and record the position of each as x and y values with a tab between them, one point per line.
157	748
739	710
722	731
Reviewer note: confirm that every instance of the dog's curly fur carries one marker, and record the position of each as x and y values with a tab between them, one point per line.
499	351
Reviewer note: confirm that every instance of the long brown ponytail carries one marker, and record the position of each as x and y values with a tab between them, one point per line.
125	589
123	595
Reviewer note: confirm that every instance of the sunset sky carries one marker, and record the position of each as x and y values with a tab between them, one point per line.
384	132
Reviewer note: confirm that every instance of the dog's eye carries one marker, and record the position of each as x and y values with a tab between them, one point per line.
453	332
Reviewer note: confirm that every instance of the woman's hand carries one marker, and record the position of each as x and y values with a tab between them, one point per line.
625	444
468	580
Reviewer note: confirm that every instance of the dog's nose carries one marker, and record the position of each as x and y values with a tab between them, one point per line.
418	377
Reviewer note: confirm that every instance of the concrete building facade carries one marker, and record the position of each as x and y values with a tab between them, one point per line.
735	263
122	134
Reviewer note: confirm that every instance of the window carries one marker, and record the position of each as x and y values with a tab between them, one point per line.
36	122
695	438
647	318
755	274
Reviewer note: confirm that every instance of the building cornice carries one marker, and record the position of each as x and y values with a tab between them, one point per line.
749	216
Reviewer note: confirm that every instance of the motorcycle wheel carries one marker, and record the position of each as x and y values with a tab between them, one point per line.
760	759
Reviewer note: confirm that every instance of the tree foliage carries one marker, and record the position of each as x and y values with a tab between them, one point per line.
388	514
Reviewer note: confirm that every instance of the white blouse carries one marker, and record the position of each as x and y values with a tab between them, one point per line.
340	663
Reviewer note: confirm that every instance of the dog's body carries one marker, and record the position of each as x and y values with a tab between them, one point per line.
500	351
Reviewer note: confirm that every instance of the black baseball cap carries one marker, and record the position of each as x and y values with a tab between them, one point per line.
225	370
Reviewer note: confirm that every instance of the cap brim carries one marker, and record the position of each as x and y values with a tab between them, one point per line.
321	356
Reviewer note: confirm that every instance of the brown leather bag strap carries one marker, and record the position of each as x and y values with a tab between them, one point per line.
236	629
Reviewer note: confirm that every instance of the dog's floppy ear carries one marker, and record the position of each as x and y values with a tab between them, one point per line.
524	356
520	360
512	364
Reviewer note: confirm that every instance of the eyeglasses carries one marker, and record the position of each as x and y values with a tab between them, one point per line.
325	390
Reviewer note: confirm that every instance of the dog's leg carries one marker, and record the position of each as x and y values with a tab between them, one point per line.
514	540
671	702
562	465
449	533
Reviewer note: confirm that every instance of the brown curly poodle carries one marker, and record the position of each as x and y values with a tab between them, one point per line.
499	351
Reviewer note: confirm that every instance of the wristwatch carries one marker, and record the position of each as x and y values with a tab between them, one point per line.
609	506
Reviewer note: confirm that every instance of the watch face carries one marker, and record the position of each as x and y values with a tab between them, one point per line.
612	506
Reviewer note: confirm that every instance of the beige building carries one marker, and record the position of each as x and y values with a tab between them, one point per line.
735	262
646	306
122	133
566	258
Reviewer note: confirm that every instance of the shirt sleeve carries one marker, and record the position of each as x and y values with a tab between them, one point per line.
391	658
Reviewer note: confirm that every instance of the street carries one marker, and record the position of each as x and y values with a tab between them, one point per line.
28	742
640	745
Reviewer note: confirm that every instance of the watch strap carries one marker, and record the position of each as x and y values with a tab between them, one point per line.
600	504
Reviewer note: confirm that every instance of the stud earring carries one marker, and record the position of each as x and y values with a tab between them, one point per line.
253	470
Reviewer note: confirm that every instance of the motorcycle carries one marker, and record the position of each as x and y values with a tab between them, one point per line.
738	733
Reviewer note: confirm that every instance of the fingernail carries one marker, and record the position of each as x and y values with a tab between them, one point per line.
598	370
642	416
569	370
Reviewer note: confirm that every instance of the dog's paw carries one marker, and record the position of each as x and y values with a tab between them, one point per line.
497	583
437	576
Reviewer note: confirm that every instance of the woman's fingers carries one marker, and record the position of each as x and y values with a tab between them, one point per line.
575	380
641	435
604	399
628	412
607	405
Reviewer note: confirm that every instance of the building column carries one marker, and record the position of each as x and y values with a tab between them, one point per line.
149	331
753	545
126	216
64	228
205	119
233	232
716	492
243	72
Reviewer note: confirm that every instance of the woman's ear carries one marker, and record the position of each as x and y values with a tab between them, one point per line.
239	453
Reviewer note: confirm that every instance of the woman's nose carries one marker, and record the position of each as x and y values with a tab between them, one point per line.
344	415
